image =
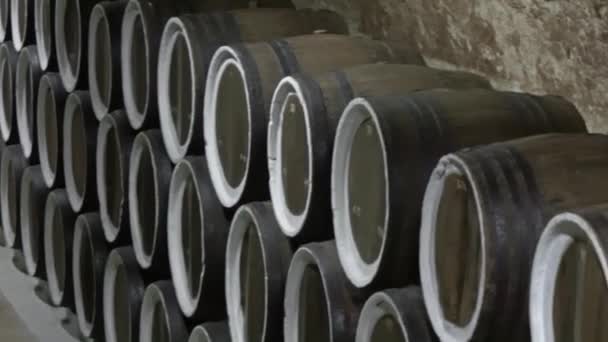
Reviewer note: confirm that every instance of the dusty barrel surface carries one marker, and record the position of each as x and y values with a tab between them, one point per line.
58	237
8	68
240	85
114	143
304	114
22	23
104	42
79	149
257	261
569	287
49	133
44	27
89	256
149	178
210	332
5	20
27	82
123	292
483	213
384	152
12	166
31	210
320	303
395	315
161	319
197	233
187	47
71	27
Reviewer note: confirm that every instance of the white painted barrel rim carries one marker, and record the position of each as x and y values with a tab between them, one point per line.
68	72
199	334
9	229
73	107
99	22
45	89
240	224
188	301
6	104
24	94
290	222
50	210
113	264
561	232
133	13
224	57
293	288
44	34
25	217
19	25
358	271
142	145
448	165
378	306
82	239
174	30
152	296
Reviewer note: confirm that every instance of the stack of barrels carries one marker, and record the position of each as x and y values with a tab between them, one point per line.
215	171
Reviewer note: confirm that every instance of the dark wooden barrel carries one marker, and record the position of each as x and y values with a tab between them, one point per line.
123	292
241	82
257	261
187	47
161	318
27	81
49	133
114	143
211	332
395	315
150	172
197	235
304	115
385	151
31	210
22	23
483	213
104	42
12	166
8	68
89	255
569	290
320	303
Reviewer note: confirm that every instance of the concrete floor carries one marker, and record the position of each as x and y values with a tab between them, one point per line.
24	316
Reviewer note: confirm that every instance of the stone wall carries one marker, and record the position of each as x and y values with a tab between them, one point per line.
537	46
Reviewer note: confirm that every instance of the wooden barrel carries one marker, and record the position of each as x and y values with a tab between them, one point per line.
8	67
12	166
161	319
31	210
395	315
58	236
240	85
304	114
27	81
385	151
211	332
89	255
22	23
320	303
257	261
123	292
71	25
197	235
484	210
79	146
44	28
5	20
104	38
569	290
49	134
114	144
148	194
187	47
